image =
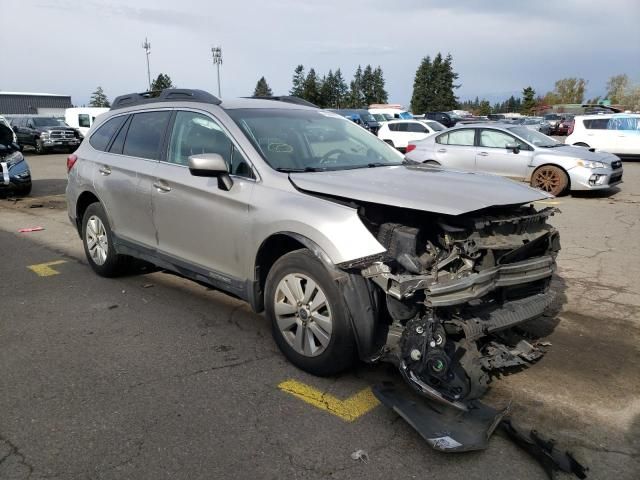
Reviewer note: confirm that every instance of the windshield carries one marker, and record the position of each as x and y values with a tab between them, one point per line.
367	117
534	137
312	140
48	122
552	116
379	117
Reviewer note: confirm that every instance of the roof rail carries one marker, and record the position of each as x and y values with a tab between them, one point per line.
166	95
287	99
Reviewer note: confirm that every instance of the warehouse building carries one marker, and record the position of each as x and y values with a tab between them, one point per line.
23	103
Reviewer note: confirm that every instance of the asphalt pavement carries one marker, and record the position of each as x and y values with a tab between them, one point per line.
151	376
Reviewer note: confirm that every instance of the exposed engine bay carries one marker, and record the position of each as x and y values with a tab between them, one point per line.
453	289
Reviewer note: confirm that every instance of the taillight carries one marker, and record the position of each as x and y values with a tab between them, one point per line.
570	128
71	161
410	148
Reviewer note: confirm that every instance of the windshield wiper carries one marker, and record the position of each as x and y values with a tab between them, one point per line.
299	170
553	146
407	161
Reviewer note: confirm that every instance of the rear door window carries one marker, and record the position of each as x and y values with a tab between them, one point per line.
596	123
146	133
464	137
101	138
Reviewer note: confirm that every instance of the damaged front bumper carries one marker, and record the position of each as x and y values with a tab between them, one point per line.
463	289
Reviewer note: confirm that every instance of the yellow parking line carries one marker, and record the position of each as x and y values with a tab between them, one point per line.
44	269
348	410
549	202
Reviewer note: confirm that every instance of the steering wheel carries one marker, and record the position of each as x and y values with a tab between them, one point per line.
336	151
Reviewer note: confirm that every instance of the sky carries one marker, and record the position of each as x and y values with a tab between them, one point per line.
498	46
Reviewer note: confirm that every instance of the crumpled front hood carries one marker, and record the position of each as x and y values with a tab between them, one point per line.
580	153
419	188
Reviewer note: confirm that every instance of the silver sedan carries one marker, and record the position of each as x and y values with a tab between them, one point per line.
519	153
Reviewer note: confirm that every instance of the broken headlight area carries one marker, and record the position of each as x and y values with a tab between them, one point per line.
455	288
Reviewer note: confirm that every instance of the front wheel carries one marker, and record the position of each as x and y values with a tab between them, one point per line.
39	146
310	321
432	163
581	144
551	179
98	243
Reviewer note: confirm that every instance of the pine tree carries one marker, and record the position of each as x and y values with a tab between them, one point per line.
448	99
297	90
310	87
341	89
99	99
380	95
328	91
262	89
528	100
161	82
356	97
367	85
422	97
484	108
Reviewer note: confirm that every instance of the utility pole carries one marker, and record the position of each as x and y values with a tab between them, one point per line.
216	52
147	48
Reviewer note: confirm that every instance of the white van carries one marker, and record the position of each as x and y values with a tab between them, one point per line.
617	133
82	118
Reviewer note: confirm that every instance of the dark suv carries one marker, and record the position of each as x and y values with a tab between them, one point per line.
45	133
444	118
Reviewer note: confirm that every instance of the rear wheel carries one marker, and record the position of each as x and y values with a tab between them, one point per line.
551	179
310	321
432	163
97	239
580	144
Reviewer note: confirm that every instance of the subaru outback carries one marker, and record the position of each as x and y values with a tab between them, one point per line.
350	250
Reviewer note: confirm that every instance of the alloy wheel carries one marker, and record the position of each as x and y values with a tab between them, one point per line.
303	314
96	238
548	179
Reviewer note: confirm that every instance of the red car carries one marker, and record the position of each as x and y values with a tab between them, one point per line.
564	126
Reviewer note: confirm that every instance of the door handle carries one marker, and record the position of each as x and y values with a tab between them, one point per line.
442	150
105	170
162	186
483	154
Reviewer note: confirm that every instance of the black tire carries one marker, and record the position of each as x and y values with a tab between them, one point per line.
114	264
40	149
23	190
340	352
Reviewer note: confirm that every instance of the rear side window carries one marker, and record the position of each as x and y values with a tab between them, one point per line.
393	127
100	139
417	128
84	120
145	135
118	143
458	137
596	124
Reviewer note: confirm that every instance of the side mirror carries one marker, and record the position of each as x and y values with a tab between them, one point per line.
211	165
513	147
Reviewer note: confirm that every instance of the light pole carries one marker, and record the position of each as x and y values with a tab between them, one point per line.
216	52
147	48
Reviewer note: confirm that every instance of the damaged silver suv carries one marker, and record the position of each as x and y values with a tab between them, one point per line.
350	250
